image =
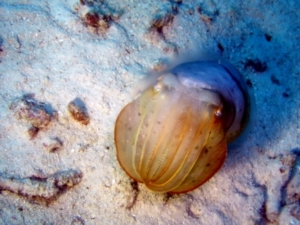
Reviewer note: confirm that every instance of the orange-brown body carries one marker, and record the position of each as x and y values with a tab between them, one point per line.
174	136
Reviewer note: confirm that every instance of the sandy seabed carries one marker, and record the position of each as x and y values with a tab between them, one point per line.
62	169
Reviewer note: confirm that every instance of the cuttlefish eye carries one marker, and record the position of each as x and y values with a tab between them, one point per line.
174	136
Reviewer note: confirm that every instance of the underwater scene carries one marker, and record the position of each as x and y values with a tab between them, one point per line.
149	112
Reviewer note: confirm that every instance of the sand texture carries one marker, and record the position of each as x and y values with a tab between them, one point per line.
68	67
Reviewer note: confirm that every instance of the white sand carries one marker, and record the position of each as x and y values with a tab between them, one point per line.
48	51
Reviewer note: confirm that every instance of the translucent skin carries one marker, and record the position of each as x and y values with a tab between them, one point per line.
173	137
224	79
